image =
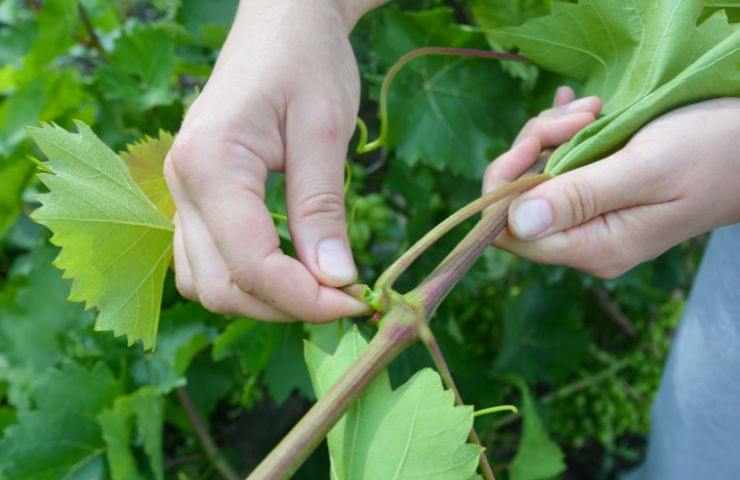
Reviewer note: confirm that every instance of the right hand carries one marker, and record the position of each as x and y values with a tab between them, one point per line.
282	97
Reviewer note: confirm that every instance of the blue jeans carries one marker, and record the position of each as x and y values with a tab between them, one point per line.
695	419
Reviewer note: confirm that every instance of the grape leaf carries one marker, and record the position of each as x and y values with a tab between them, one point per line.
449	112
115	243
145	161
144	410
642	58
60	438
414	431
538	457
142	67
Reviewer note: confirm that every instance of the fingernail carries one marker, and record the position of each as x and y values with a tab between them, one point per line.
335	260
578	104
531	218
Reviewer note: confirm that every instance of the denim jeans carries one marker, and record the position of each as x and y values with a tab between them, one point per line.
695	419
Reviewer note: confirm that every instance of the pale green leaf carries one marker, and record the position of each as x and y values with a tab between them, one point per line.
145	160
415	431
643	58
115	244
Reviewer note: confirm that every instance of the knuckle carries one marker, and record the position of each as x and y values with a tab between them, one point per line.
328	206
330	125
244	278
580	200
186	288
214	300
182	159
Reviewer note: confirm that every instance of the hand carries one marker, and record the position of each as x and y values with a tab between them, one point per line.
282	97
676	178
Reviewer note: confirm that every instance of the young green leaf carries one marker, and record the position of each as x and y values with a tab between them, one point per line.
415	431
115	243
145	160
642	58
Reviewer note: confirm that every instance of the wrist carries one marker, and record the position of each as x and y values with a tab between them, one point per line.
353	10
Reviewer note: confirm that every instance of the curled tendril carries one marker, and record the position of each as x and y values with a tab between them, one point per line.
363	146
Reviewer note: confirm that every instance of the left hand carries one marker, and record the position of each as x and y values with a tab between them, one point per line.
676	178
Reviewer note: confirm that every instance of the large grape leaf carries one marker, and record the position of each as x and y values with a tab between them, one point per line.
544	338
115	243
415	431
61	438
643	58
145	160
451	112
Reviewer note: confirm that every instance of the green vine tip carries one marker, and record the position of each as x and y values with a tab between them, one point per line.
500	408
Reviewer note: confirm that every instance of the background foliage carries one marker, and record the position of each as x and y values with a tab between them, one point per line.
581	356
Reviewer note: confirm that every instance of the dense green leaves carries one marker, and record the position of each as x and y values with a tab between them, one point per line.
141	414
642	58
61	437
414	431
115	243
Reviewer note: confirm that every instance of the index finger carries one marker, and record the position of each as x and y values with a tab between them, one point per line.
229	194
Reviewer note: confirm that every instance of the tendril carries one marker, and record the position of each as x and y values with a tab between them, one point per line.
363	146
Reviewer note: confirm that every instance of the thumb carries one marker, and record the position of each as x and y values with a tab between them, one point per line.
316	149
575	197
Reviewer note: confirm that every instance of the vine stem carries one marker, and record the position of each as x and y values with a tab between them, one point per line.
404	317
397	332
430	342
215	457
363	146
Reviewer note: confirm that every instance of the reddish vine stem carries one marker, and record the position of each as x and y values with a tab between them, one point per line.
430	341
397	332
215	457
